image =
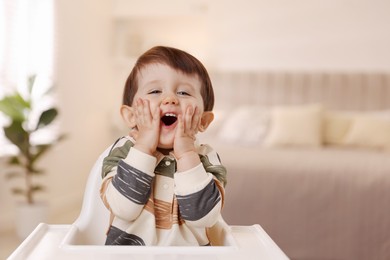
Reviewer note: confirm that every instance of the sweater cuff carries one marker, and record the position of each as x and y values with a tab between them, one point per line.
141	161
191	181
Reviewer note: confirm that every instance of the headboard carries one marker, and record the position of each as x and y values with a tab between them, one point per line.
344	91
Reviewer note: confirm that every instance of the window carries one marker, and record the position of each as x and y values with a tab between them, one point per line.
26	48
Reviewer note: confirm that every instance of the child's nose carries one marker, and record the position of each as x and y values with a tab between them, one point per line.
170	100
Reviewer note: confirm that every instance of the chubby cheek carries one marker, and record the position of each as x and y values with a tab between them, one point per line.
152	106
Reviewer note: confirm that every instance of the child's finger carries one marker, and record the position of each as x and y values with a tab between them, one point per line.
146	111
134	133
136	110
156	116
188	118
139	110
195	119
143	112
180	126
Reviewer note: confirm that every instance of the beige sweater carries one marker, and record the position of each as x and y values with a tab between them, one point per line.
152	204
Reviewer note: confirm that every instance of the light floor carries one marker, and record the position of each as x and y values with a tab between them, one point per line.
8	243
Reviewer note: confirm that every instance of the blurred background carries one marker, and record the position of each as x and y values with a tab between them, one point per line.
86	48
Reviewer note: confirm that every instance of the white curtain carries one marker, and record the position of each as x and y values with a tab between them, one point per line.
27	47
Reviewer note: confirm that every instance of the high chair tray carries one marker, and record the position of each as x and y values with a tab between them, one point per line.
49	242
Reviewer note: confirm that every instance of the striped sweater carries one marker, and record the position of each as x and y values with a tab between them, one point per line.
152	204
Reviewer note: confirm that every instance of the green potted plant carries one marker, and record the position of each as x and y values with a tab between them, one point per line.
24	123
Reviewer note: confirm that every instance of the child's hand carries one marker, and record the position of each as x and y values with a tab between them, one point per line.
148	125
185	133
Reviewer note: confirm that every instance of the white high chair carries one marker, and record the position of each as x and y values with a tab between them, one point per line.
84	239
89	225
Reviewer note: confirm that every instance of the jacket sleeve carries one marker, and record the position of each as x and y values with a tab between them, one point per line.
127	178
200	191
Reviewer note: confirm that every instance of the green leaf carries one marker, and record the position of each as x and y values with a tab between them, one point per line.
18	136
15	107
47	117
7	108
21	102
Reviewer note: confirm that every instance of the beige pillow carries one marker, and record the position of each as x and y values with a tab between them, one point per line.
369	131
336	126
297	125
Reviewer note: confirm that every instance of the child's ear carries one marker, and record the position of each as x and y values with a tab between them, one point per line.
128	116
205	121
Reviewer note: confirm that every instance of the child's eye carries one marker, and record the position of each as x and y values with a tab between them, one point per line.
154	91
183	93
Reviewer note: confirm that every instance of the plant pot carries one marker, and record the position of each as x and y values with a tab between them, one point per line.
28	216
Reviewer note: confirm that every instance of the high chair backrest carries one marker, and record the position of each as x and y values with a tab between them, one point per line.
93	220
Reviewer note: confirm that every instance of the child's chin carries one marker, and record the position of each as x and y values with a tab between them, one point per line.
165	145
166	141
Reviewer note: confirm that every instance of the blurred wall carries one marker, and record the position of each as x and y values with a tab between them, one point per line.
226	35
303	34
84	83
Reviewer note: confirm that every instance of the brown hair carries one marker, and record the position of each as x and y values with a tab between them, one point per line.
176	59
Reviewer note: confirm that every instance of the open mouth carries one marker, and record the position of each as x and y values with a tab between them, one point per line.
168	119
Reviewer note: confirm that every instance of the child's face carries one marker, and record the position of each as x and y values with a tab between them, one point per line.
173	92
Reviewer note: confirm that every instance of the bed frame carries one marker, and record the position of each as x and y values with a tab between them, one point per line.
336	90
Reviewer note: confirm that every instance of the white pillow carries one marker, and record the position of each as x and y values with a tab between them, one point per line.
297	125
246	125
369	131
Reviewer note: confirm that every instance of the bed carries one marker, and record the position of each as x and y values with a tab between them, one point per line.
308	158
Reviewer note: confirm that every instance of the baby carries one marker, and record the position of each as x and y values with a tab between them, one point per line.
160	187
